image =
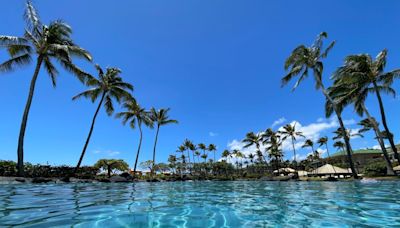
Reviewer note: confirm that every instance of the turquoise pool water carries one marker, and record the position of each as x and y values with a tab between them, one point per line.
202	204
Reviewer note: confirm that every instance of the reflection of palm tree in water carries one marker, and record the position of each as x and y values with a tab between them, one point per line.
7	201
77	210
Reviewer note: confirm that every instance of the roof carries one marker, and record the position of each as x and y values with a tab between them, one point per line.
285	170
329	169
397	168
361	151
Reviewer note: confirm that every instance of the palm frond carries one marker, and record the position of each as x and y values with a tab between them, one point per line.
51	70
16	61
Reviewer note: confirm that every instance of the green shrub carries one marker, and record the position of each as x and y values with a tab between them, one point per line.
375	169
8	168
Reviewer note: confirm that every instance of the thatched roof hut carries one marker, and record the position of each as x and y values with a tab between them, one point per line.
329	169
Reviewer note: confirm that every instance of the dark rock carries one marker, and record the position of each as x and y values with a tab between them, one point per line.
103	180
20	179
38	180
331	179
65	179
118	179
153	180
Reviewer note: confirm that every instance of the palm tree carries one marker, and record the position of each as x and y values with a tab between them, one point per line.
274	149
304	59
161	118
226	154
339	145
204	148
324	141
356	93
109	86
181	149
309	143
46	43
369	74
187	144
254	139
289	130
212	148
136	116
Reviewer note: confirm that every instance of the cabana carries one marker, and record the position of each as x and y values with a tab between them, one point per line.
329	170
284	171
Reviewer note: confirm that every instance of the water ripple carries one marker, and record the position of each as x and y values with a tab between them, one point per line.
202	204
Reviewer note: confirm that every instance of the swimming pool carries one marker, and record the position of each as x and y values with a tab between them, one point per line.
202	204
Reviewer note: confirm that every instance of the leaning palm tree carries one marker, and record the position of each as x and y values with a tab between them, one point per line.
45	43
304	59
160	118
136	116
108	87
356	94
309	143
289	131
369	74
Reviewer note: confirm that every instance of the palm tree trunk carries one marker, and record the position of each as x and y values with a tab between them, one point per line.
20	150
138	150
90	133
109	171
154	149
342	127
379	137
384	123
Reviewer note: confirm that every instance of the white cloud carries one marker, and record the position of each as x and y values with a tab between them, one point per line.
278	122
212	134
110	153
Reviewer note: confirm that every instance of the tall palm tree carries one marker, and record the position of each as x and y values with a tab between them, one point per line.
289	131
46	43
212	148
108	86
356	94
304	59
253	139
136	116
369	74
161	118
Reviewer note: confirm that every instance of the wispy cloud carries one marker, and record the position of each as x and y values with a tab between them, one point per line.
278	122
212	134
109	153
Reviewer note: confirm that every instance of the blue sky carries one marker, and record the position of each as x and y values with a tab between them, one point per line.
216	64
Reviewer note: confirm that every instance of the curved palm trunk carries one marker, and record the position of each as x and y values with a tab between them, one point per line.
138	150
383	117
20	150
343	128
379	137
90	133
329	156
154	149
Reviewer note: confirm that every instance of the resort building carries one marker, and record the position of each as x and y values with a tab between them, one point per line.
361	158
